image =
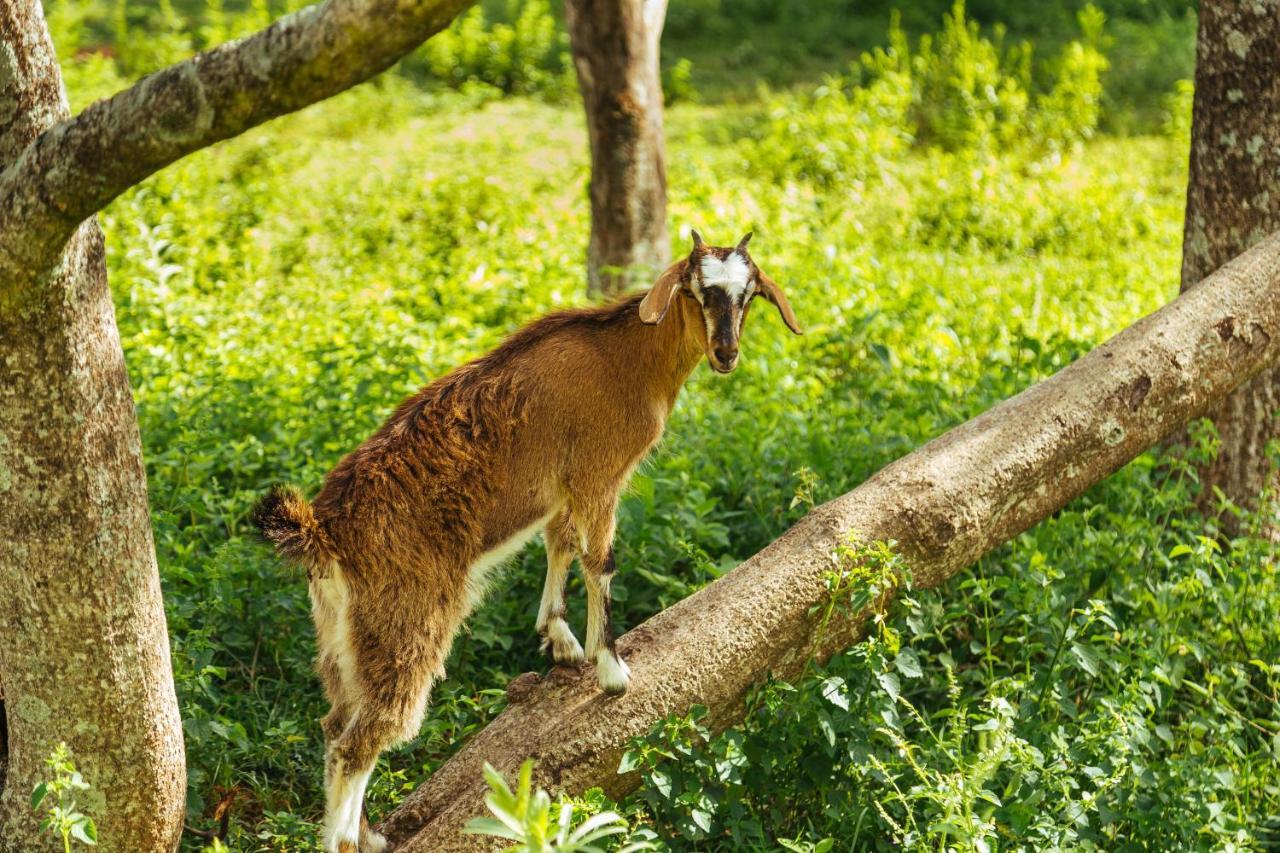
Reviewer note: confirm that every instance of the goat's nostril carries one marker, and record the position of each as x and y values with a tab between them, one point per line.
726	355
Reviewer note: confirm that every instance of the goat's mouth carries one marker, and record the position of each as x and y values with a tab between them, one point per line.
723	367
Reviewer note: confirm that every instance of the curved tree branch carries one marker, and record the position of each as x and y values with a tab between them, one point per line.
75	168
945	505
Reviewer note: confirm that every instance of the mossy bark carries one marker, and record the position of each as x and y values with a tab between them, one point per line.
944	506
84	652
615	51
1233	202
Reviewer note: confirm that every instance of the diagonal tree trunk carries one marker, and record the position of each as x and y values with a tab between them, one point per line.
944	506
615	51
1233	201
84	652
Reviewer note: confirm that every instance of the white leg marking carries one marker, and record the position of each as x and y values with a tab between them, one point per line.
564	646
613	673
342	821
335	791
330	601
372	842
479	574
553	588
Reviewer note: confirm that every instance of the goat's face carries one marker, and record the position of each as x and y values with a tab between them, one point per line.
723	281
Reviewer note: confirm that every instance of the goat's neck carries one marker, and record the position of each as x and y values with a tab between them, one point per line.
669	351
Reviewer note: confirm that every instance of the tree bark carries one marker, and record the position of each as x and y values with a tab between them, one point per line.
944	505
84	651
1233	201
615	51
83	647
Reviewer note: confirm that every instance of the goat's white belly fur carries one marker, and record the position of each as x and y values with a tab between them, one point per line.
479	574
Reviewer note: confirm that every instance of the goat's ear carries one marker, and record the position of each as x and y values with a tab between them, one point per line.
656	302
769	290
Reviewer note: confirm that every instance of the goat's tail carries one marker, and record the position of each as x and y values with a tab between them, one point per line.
286	520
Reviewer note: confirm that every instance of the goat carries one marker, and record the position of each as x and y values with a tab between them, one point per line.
541	434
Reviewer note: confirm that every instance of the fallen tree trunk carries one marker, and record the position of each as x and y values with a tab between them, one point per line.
945	505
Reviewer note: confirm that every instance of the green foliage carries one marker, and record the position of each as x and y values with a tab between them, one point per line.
958	91
511	46
524	816
57	799
1063	695
165	43
521	52
677	82
279	294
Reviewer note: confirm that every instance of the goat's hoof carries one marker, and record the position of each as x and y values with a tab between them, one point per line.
567	656
561	645
372	842
613	673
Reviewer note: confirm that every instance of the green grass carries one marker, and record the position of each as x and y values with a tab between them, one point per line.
1108	680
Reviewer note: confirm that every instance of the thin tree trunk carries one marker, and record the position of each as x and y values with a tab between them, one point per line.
944	505
1233	201
84	650
615	51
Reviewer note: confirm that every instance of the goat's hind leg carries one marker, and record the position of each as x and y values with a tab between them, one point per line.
380	721
557	638
394	661
612	672
596	523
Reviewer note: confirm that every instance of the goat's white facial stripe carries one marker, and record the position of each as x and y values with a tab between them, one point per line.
732	274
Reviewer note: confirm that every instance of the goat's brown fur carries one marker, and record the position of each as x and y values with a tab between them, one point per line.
542	432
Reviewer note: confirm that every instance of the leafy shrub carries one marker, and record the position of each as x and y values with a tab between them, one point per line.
526	53
958	91
149	37
677	82
968	91
57	799
524	816
839	133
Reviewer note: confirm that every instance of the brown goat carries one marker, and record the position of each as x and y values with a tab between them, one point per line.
540	434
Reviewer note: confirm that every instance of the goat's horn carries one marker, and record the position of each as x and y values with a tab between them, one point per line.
697	238
742	244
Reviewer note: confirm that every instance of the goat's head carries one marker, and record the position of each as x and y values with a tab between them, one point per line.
723	281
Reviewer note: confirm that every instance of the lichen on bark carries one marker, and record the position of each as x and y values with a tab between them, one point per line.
1233	202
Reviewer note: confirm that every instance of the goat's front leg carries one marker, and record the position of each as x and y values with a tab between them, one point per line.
595	524
557	638
611	670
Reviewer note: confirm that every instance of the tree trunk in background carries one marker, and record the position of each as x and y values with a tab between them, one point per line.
615	51
945	505
84	652
1233	201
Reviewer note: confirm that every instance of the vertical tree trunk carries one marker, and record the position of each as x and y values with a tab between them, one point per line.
615	51
1233	201
84	651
